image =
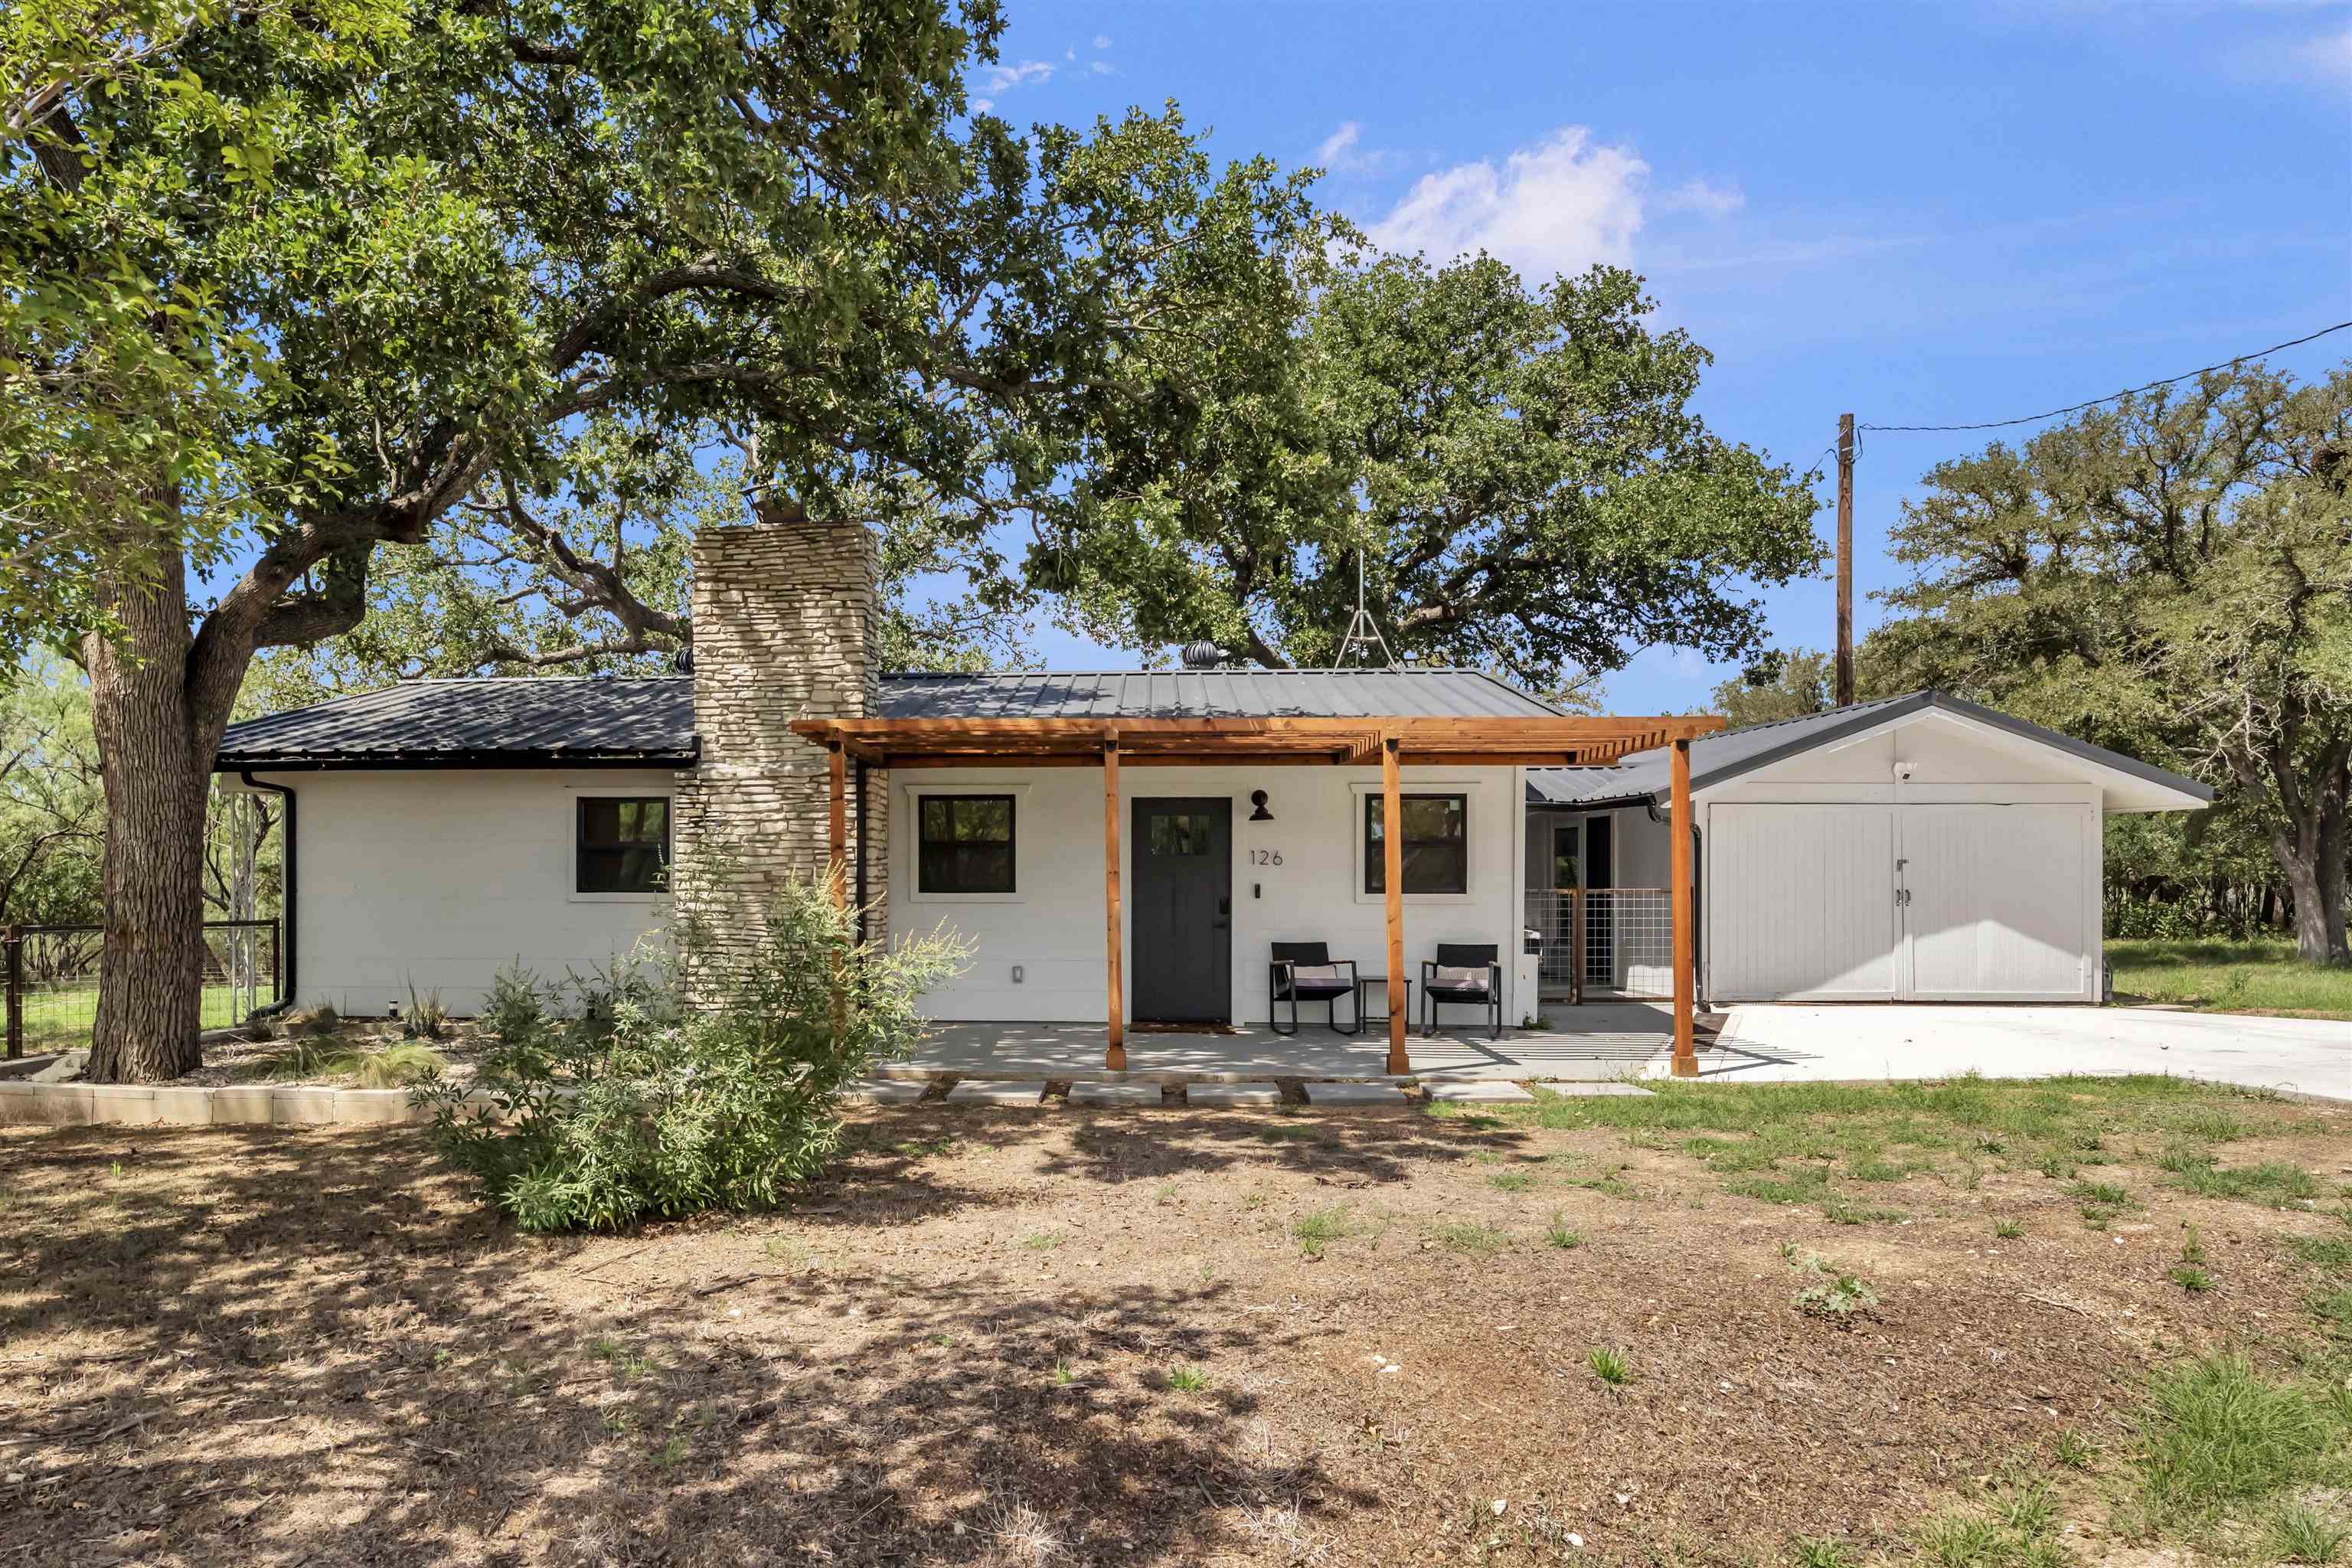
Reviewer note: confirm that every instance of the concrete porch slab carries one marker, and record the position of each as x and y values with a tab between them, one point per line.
1478	1091
986	1091
1354	1094
1608	1041
1218	1096
1107	1094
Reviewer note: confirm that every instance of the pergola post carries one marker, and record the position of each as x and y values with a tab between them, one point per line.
1115	1014
1678	860
1392	880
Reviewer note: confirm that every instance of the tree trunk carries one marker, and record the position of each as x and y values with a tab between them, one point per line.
157	771
2312	859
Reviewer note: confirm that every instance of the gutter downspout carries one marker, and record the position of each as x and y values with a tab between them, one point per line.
861	852
286	901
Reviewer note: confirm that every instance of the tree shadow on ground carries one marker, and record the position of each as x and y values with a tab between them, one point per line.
271	1347
884	1153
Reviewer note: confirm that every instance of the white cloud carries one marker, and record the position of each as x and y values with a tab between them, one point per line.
1101	67
1558	207
1102	40
1704	197
2330	55
983	105
1343	152
1336	145
998	79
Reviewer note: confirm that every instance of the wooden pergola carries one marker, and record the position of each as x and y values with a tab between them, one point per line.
1395	742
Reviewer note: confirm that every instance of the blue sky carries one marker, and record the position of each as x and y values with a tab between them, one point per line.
1919	213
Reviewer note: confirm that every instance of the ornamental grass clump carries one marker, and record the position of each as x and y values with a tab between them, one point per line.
685	1078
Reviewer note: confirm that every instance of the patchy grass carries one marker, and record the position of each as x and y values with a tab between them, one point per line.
330	1349
2263	976
2273	1181
2218	1432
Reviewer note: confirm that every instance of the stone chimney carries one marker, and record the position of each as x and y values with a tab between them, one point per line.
786	622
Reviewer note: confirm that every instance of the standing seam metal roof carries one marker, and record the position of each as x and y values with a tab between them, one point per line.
495	720
1208	693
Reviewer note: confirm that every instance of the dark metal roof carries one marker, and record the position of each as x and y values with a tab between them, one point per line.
525	720
489	723
1718	758
1208	694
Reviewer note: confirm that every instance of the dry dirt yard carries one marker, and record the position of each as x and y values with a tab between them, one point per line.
1142	1337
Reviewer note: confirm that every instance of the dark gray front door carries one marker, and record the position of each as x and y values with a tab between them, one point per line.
1180	903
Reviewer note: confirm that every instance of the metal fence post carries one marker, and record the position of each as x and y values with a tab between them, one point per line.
13	942
277	958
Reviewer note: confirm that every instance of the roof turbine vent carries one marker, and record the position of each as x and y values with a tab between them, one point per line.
1201	655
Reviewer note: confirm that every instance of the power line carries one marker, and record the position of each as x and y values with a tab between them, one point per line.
2127	391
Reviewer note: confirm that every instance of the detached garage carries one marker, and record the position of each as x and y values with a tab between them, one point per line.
1918	849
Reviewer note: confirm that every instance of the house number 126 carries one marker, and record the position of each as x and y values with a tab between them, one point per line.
1265	856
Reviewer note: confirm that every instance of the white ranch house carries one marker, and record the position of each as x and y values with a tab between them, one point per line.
1915	848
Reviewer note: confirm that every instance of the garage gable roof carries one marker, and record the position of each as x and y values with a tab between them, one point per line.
1720	758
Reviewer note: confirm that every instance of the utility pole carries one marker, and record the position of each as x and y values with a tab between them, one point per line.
1845	562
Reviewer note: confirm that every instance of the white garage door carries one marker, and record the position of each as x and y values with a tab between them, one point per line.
1899	903
1800	903
1996	905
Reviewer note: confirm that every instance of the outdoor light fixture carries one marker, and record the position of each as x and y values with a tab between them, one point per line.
1257	799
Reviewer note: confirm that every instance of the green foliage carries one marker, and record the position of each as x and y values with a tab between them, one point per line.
2216	1432
643	1106
1560	1235
425	1018
52	802
1315	1232
1466	434
2167	574
2273	1181
1187	1379
1610	1366
2299	1534
1469	1236
1836	1296
2258	975
313	1058
1820	1551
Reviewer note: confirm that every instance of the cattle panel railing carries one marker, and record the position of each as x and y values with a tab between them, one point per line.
52	974
1614	941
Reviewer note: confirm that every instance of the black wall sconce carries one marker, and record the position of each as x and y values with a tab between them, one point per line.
1257	799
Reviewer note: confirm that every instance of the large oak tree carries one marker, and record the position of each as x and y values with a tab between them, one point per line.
281	285
1519	471
2170	576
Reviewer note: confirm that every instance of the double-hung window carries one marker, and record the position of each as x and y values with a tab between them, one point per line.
964	844
1435	845
624	844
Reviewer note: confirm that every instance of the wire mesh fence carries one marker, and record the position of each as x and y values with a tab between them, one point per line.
1617	942
52	975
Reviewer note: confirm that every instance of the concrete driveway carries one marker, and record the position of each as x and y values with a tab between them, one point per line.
1786	1043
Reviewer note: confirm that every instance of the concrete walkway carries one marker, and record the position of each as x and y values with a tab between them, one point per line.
1613	1041
1787	1044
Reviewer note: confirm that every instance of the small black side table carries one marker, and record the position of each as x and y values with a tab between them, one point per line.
1365	985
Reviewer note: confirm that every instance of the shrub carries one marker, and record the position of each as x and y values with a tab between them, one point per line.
642	1104
427	1019
516	1007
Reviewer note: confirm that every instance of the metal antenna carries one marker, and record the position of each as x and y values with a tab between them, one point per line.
1363	631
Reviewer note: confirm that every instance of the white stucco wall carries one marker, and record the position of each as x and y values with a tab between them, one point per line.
444	876
1053	926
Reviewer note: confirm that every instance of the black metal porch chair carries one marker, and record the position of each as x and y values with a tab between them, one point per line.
1302	972
1468	974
